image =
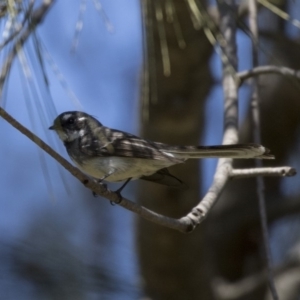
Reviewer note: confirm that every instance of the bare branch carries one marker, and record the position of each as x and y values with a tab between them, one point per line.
183	226
260	185
221	177
224	167
261	70
266	172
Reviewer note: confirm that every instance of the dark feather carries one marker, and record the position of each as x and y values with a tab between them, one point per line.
164	177
110	142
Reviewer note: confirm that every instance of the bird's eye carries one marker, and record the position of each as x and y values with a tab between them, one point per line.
71	121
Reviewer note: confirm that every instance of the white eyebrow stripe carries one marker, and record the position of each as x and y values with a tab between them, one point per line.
65	117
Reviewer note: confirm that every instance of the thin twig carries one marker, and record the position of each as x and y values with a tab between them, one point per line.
165	56
255	106
20	27
261	70
280	13
266	172
202	19
79	25
171	16
35	18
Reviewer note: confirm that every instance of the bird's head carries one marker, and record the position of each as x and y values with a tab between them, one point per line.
72	125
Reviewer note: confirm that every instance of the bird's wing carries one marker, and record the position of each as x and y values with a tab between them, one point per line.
110	142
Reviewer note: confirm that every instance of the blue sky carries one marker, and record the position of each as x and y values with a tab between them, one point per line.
104	74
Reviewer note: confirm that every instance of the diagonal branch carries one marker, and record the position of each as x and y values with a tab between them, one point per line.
91	184
184	224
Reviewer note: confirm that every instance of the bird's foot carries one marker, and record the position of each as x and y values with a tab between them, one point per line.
118	192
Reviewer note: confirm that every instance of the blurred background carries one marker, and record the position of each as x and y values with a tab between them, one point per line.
58	241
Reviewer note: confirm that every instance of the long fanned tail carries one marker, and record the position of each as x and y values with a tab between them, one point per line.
236	151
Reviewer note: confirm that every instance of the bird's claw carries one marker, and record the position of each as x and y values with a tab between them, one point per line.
118	192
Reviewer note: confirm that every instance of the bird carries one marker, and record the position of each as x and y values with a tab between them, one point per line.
112	155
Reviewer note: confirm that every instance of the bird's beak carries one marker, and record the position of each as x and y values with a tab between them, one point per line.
52	127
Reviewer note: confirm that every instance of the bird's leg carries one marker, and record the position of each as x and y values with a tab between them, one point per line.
119	190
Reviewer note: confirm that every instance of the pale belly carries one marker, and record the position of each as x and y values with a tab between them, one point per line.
121	168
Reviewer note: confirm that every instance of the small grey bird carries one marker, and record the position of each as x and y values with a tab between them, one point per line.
113	155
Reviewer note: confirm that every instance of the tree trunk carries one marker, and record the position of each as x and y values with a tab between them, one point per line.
173	264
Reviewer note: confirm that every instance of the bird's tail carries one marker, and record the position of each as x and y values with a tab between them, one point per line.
237	151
